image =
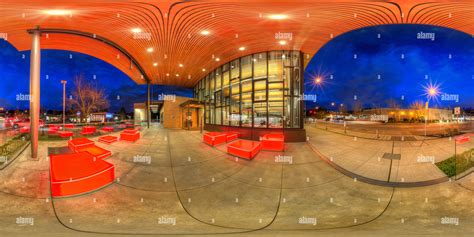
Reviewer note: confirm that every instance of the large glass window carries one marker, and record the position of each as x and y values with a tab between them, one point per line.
261	90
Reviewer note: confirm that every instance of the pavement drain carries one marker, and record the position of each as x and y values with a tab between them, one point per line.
391	156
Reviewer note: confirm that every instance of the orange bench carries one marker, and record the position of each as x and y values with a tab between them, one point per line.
273	142
65	134
230	136
130	135
88	130
98	152
107	129
244	149
78	173
214	138
108	139
77	143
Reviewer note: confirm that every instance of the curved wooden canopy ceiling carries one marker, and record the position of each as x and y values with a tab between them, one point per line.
175	29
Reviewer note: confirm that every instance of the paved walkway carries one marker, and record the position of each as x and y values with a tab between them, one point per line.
205	191
394	161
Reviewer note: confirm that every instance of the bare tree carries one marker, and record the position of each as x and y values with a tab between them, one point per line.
418	106
393	104
87	98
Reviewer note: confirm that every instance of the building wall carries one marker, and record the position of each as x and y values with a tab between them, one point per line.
172	112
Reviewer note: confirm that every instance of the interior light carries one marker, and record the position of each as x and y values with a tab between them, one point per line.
282	42
278	17
136	30
181	65
155	64
149	50
177	75
242	48
203	69
218	59
58	12
205	32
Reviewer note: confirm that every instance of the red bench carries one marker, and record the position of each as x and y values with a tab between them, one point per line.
69	125
78	173
273	142
462	139
53	129
244	149
88	130
97	152
230	136
65	134
76	143
107	129
108	139
130	135
214	138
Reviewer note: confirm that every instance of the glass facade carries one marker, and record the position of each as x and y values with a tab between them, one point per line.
261	90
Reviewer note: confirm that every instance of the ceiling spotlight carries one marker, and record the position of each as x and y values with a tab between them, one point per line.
203	69
136	30
57	12
218	59
282	42
205	32
181	65
242	48
155	64
149	50
177	75
167	74
278	17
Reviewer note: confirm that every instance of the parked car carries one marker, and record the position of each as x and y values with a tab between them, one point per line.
25	123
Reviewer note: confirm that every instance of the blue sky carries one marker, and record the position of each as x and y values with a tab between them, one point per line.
424	61
56	65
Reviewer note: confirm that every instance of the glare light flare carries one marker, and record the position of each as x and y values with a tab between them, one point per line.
278	16
57	12
432	90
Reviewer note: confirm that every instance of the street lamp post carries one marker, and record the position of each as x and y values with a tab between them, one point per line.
64	103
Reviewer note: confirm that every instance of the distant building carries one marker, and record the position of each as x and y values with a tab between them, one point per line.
408	114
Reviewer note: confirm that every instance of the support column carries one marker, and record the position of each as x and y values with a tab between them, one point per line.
148	115
35	63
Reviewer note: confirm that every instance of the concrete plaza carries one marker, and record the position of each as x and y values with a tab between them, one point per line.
191	188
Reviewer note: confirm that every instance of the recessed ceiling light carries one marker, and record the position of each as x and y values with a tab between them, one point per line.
282	42
218	59
149	50
167	74
205	32
278	17
136	30
181	65
203	69
242	48
155	64
177	75
58	12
